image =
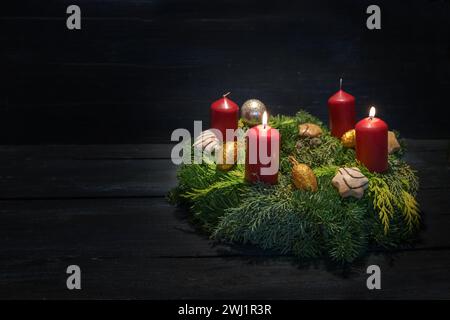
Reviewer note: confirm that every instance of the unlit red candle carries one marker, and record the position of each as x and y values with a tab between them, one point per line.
372	143
224	115
341	111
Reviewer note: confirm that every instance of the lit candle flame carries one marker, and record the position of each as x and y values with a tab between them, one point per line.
264	119
372	112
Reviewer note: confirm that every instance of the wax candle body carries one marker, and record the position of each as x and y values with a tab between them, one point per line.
261	136
341	112
224	115
372	144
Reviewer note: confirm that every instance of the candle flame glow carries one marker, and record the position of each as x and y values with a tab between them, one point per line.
372	112
264	119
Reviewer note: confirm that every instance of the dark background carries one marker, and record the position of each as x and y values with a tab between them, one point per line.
139	69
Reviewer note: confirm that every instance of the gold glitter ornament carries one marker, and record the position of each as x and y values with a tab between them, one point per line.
303	176
348	139
228	154
252	111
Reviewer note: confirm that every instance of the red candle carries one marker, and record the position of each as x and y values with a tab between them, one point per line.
224	115
262	153
372	142
341	111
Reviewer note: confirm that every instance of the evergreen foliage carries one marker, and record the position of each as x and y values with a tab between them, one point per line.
306	224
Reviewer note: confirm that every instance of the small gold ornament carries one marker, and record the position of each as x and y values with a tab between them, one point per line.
302	176
309	130
228	153
350	182
393	144
252	111
348	139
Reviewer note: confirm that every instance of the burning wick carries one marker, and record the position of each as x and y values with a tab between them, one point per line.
372	113
264	119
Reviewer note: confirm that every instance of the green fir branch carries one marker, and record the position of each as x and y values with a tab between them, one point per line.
305	224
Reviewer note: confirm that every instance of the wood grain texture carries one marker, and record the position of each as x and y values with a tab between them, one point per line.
103	208
163	151
94	172
411	275
132	227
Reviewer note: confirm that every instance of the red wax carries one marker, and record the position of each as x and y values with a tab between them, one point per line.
372	144
262	138
224	115
341	111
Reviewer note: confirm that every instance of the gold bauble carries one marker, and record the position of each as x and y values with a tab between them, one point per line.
348	139
303	176
309	130
228	154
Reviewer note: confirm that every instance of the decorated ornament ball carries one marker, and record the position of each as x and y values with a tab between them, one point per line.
252	111
207	141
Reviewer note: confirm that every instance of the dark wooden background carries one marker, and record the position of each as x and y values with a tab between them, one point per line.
110	94
139	69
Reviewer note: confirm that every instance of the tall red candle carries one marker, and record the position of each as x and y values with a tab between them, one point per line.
372	142
341	111
262	141
224	115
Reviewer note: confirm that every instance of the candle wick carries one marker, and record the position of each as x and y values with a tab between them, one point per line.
340	84
226	94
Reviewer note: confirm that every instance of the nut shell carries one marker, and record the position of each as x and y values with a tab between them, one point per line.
309	130
393	144
315	142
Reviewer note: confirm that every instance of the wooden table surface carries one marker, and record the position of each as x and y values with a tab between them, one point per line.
103	208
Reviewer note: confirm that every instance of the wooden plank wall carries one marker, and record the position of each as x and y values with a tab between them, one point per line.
138	69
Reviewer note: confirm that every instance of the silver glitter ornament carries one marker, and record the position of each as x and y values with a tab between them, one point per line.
252	111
